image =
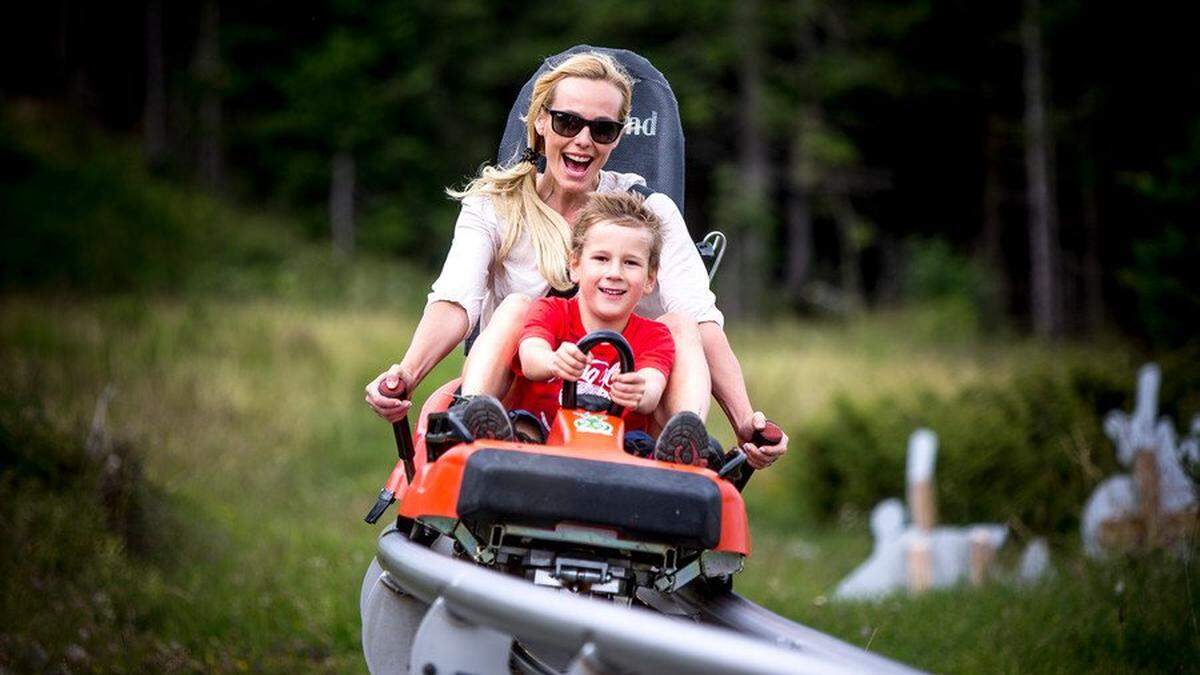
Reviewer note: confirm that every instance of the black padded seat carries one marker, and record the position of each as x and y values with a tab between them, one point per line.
665	505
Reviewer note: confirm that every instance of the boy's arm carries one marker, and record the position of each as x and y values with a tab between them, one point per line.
639	391
540	363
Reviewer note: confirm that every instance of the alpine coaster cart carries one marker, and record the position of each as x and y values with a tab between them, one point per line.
576	516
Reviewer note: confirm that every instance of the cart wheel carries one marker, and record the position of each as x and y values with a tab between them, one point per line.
374	570
390	618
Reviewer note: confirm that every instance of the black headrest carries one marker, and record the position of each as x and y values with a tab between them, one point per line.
653	143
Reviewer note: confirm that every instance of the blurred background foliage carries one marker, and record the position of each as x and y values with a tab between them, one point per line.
896	146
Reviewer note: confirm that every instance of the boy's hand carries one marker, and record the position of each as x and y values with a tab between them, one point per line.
628	390
568	362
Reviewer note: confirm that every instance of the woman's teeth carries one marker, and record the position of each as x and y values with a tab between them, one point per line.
577	163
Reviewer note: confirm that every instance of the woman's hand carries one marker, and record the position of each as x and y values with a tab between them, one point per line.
568	362
389	395
628	390
760	457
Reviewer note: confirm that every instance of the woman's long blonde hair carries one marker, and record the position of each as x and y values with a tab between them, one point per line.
513	189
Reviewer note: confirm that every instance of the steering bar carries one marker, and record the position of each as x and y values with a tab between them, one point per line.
624	353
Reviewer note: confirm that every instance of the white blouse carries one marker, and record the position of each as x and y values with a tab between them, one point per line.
471	280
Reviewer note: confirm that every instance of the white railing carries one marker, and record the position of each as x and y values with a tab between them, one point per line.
470	616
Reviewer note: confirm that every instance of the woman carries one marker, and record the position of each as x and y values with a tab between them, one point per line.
512	240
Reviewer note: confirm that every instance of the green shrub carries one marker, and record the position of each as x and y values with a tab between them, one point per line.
1027	451
88	227
953	297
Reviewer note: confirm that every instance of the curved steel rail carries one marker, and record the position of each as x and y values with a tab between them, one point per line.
738	614
617	638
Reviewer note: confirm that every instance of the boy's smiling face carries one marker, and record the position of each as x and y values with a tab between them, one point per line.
613	273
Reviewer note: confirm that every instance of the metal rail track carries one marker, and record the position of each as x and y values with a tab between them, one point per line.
469	617
732	611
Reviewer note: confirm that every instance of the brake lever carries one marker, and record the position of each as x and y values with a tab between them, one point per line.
404	448
771	434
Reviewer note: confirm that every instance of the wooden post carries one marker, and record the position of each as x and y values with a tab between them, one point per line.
920	563
1145	477
922	456
982	552
922	508
922	505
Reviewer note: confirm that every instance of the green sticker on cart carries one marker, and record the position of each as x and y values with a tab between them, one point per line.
593	423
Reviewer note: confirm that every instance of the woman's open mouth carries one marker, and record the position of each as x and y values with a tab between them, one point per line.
576	165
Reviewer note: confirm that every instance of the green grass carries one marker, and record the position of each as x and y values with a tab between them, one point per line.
261	459
249	417
1133	615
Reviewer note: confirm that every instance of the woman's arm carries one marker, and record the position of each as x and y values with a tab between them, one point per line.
728	383
443	325
682	279
729	388
466	273
453	308
683	284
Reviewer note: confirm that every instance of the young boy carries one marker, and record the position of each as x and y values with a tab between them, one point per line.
615	250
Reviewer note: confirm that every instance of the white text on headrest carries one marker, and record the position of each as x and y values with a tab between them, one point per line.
646	126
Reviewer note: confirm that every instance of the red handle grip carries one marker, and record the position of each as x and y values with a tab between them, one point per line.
769	435
389	392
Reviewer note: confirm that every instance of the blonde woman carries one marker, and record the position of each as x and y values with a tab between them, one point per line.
512	241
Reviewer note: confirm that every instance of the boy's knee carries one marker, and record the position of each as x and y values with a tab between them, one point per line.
683	328
514	305
510	313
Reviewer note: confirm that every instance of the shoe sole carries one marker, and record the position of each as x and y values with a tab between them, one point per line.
484	417
682	440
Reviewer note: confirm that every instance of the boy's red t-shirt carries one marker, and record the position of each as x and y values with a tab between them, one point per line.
557	320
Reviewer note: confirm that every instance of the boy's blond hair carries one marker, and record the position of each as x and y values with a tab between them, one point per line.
626	209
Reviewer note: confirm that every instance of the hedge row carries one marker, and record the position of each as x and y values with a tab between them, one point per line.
1027	451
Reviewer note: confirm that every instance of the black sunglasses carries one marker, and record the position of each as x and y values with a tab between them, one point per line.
569	125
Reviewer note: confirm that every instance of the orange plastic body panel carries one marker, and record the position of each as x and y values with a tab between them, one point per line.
576	433
438	401
582	430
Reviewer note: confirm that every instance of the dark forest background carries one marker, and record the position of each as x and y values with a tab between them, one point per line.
1035	164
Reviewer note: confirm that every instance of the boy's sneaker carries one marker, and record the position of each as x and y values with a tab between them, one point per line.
683	440
484	417
527	428
714	455
639	444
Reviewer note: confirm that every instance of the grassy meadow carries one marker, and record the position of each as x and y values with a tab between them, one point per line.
258	458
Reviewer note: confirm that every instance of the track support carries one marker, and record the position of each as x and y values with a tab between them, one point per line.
588	662
446	644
